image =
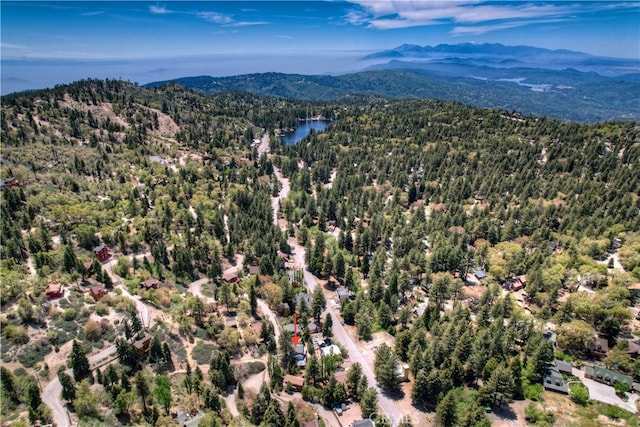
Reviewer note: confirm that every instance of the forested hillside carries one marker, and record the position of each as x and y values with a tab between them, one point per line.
462	236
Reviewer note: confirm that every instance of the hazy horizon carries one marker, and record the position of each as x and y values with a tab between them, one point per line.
49	43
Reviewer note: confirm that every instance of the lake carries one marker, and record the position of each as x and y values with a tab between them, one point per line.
303	129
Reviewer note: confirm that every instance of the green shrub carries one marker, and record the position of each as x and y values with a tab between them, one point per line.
202	353
579	394
69	314
34	353
254	368
102	309
534	392
17	334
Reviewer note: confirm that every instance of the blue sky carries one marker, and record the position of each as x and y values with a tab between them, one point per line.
44	43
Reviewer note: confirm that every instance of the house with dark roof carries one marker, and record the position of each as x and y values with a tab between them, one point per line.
553	380
303	296
564	367
634	290
480	274
362	423
607	376
599	347
342	294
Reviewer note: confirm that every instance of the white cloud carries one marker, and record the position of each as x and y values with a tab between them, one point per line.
216	18
247	23
472	16
159	10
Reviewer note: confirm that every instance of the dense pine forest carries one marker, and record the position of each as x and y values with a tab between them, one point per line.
471	249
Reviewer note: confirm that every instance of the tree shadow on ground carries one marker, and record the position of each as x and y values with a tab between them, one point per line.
505	413
394	395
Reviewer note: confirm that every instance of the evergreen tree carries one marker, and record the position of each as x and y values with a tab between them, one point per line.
292	419
162	392
68	386
7	380
327	326
318	303
386	368
79	362
273	416
474	416
368	402
353	379
142	389
253	299
260	404
446	410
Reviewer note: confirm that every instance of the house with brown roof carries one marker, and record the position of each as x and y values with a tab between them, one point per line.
599	347
98	291
54	290
149	284
102	253
296	382
142	345
230	277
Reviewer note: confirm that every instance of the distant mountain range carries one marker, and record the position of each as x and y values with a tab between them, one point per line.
559	84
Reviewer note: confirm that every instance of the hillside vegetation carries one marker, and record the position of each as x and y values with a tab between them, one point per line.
403	202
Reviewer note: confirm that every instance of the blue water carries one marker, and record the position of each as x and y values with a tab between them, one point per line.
303	129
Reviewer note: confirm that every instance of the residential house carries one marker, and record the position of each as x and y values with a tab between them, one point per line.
402	371
420	309
607	376
634	290
98	291
150	283
362	423
230	277
341	377
296	382
634	349
88	269
304	296
515	283
330	350
142	345
253	269
102	253
342	294
289	327
553	380
480	274
564	367
9	183
313	327
54	290
300	355
90	282
599	347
